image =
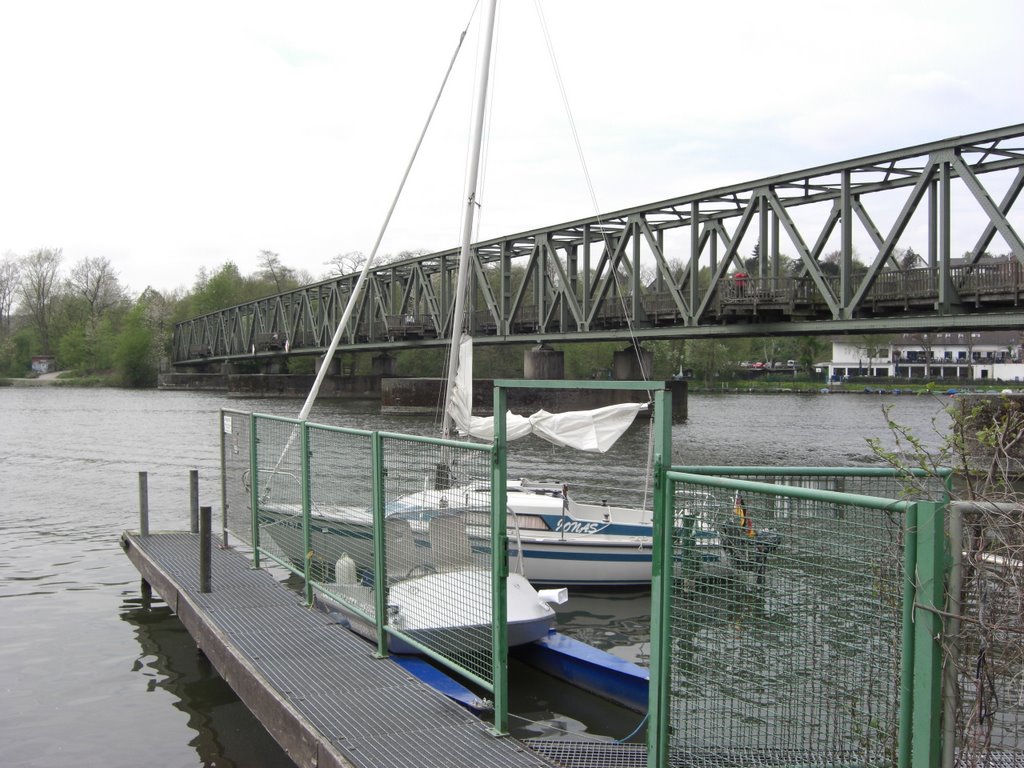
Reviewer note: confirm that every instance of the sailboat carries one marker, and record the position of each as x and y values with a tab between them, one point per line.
554	539
421	579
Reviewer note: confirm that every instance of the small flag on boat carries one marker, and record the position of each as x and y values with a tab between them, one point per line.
744	519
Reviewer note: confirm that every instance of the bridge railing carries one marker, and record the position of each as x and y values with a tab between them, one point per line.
288	325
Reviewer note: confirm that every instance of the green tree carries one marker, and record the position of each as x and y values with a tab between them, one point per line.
713	358
133	354
39	287
10	282
212	292
73	350
808	350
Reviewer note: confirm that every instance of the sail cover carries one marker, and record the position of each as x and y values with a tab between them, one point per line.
595	430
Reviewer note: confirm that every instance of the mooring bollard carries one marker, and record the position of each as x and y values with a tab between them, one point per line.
143	504
193	487
205	552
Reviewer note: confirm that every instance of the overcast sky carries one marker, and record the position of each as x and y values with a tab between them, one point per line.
174	136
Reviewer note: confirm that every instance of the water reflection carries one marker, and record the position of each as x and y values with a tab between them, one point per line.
227	734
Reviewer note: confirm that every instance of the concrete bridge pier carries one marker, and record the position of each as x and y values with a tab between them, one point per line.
333	365
543	362
384	365
634	363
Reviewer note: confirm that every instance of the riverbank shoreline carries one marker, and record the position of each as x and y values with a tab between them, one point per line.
42	380
65	379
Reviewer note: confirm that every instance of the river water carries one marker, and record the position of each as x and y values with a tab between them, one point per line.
91	676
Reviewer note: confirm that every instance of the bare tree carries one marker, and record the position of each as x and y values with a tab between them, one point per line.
346	263
10	281
39	283
94	280
273	270
874	347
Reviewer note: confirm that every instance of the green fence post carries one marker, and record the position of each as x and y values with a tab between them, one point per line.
380	571
499	566
307	531
907	661
661	585
929	578
223	483
254	489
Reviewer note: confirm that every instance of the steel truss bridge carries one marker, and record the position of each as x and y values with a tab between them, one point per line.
675	269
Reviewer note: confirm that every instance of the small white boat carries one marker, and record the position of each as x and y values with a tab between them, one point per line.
437	594
416	609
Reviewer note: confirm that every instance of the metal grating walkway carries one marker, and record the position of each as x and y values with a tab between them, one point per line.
316	687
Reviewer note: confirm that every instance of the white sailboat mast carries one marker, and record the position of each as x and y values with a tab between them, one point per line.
472	176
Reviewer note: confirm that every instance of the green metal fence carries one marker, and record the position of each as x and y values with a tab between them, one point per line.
235	461
394	531
789	644
984	635
809	627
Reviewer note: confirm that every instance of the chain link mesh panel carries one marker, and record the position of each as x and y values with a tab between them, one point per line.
235	473
786	647
341	516
987	654
437	548
278	478
880	483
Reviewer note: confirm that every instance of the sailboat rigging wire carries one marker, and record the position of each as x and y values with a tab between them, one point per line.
568	108
314	390
583	163
357	291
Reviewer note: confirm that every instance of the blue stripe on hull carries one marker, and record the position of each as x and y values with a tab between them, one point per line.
602	557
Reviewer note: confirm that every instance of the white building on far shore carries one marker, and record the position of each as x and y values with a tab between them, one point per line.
972	355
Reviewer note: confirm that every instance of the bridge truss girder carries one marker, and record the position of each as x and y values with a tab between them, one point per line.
669	269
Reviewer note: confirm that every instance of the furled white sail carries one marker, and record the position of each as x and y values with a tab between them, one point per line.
595	430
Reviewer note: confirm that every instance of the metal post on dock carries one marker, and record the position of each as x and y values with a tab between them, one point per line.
193	490
225	420
205	552
143	504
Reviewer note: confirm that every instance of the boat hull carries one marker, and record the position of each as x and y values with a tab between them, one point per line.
444	610
543	557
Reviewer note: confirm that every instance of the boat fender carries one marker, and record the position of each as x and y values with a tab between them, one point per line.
553	596
345	571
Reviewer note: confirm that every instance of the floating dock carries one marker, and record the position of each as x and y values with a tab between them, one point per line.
316	687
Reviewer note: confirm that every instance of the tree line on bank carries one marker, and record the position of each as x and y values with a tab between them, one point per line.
83	314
